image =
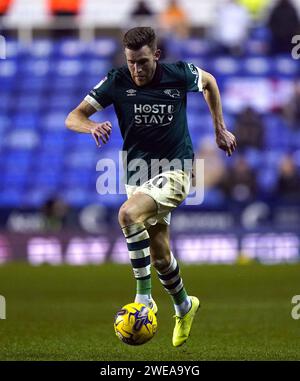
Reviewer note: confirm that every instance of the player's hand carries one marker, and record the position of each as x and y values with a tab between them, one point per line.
226	141
101	131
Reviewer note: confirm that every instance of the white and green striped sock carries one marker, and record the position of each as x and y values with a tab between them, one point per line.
173	284
138	242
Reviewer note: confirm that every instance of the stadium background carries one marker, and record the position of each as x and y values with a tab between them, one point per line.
50	211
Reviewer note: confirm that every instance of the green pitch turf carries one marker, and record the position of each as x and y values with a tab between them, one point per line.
66	313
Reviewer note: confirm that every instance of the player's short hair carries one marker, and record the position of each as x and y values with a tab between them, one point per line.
136	38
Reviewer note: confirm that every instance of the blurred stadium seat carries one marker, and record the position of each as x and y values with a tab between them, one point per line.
41	85
41	82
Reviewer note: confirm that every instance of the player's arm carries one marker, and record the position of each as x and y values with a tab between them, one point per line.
78	121
225	139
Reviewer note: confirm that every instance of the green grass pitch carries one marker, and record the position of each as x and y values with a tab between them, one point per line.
66	313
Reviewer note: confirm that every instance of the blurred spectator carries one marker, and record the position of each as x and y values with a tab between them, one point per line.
214	168
255	7
288	186
141	15
292	109
141	9
4	6
231	27
55	214
173	21
239	182
249	129
284	24
64	7
64	12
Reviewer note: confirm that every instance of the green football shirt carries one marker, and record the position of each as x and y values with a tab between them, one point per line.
152	118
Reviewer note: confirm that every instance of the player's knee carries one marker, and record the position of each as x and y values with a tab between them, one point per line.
127	215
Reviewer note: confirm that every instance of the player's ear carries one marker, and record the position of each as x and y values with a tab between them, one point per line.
157	54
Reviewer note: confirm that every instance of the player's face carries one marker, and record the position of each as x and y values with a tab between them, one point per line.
142	64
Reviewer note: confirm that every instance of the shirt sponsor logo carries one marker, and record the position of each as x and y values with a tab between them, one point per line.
153	115
131	92
173	93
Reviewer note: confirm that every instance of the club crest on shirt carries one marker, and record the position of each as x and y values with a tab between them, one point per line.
173	93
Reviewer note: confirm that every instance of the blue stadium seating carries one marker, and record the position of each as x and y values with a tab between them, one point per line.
41	84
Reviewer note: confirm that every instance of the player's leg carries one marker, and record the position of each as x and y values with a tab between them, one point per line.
169	274
167	268
132	215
